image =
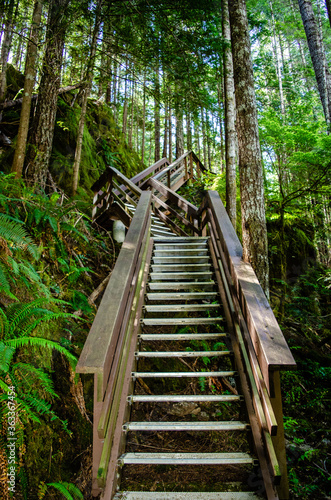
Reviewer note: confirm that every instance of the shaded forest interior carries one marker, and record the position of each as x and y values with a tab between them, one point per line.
86	85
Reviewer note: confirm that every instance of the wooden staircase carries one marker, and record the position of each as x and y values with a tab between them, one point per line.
182	297
185	351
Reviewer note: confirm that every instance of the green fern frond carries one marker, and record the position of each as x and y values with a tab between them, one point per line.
23	478
3	386
6	356
39	405
68	490
4	283
15	233
43	343
27	270
36	375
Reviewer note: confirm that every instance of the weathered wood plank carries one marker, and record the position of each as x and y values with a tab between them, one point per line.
185	205
268	340
98	351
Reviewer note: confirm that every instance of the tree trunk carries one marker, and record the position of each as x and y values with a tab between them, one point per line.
144	122
5	47
278	65
317	54
30	76
165	137
189	131
44	121
87	90
170	134
132	114
157	125
254	230
328	8
179	133
230	119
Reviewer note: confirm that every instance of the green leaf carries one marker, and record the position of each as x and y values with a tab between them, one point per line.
6	355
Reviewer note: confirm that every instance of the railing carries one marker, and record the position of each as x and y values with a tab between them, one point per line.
113	190
260	348
176	174
109	349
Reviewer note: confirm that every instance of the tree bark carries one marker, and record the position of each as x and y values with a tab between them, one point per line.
230	119
278	64
30	75
5	47
254	230
165	137
317	54
179	133
170	133
144	123
204	145
328	8
157	134
44	121
87	90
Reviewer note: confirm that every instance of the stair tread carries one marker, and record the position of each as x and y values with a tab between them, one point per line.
181	336
181	321
187	426
173	495
180	285
186	458
182	374
180	354
181	307
181	296
177	398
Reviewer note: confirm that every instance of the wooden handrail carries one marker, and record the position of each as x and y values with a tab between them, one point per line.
106	349
181	202
178	162
105	327
269	343
259	344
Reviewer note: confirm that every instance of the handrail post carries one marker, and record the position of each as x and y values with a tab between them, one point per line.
191	166
185	163
279	440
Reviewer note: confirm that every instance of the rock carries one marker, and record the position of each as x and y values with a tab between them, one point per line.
184	408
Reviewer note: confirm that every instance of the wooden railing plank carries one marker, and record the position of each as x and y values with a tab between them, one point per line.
98	351
171	195
269	343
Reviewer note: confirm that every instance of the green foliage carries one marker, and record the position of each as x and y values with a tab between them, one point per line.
67	490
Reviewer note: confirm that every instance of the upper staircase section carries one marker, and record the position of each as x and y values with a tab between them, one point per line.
115	196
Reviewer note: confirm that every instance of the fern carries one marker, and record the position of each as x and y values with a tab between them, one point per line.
4	283
34	375
6	356
15	234
43	343
68	490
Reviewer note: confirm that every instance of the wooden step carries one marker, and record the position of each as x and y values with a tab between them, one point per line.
173	495
179	398
158	268
181	321
181	296
181	354
181	336
165	308
181	374
221	426
186	458
189	285
181	276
